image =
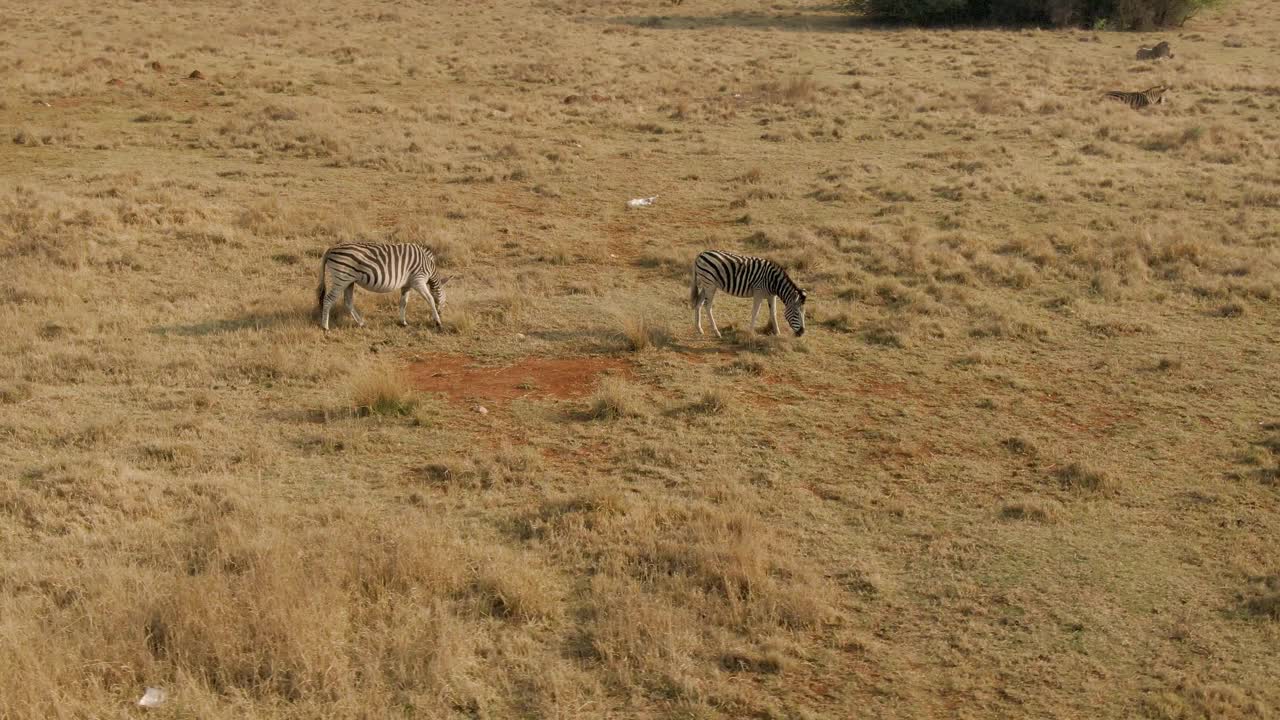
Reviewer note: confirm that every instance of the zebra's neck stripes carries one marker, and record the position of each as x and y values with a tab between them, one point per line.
784	287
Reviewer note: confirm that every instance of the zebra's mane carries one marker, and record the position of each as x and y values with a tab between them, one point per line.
788	286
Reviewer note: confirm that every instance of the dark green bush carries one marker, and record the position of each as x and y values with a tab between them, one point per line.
1117	14
916	11
1147	14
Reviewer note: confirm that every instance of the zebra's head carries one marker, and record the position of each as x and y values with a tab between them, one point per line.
794	312
1157	93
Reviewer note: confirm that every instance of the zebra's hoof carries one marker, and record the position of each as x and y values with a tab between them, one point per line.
403	324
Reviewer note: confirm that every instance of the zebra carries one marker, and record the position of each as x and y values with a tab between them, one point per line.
1161	50
1139	100
745	276
380	269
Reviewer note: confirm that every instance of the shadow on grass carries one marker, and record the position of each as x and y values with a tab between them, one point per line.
738	340
586	341
824	18
291	317
833	22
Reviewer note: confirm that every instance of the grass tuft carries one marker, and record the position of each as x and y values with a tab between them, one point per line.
712	401
1030	509
1080	477
381	390
641	331
511	588
616	398
459	322
1263	598
1019	446
882	333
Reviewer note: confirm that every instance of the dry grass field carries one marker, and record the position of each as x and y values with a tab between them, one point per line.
1025	463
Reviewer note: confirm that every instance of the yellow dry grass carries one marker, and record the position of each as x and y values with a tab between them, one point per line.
1026	463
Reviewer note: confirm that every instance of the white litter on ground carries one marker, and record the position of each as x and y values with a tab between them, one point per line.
153	697
641	202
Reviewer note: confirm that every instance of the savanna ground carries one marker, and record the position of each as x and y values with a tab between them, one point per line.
1025	464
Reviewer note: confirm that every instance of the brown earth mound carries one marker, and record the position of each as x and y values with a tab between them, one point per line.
460	379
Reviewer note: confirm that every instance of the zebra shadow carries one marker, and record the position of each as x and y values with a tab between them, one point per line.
693	348
735	341
266	320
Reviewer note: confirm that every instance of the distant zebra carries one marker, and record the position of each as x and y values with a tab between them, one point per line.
745	276
1139	100
1161	50
380	269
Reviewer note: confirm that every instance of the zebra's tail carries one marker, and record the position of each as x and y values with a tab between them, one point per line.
320	289
693	288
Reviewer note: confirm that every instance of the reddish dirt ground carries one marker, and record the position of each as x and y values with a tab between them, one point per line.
457	377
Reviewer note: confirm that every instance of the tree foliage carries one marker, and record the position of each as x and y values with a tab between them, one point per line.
1119	14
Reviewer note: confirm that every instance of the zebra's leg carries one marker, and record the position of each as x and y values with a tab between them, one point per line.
349	299
404	306
421	287
755	311
711	313
331	297
697	311
773	316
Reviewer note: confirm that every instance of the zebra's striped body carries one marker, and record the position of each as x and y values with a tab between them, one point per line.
1139	100
745	276
380	269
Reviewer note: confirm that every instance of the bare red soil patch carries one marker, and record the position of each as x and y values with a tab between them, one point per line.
458	377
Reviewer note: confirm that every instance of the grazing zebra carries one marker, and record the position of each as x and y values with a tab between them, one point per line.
380	269
1161	50
1139	100
745	276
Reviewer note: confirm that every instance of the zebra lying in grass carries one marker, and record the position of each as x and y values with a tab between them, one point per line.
1161	50
1139	100
745	276
380	269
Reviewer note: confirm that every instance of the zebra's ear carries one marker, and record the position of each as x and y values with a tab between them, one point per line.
804	297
